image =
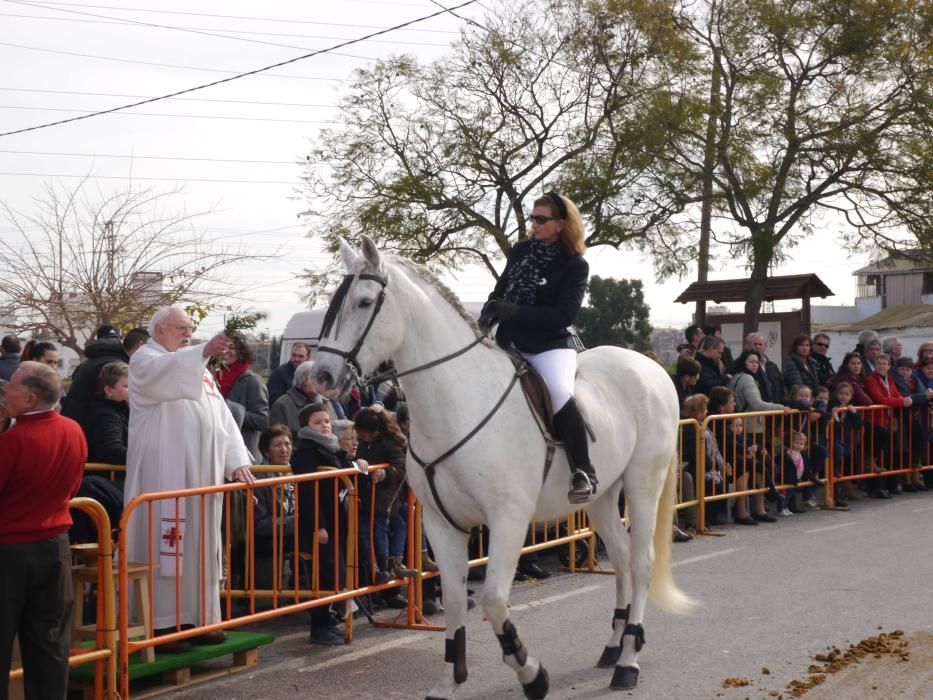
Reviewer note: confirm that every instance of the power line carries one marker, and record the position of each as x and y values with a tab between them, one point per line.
157	179
253	19
180	99
184	116
207	31
175	65
138	157
189	30
243	75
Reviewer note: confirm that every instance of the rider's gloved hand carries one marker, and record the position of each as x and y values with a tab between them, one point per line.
488	317
506	310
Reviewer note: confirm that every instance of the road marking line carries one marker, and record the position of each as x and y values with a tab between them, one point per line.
922	510
551	599
363	653
704	557
829	527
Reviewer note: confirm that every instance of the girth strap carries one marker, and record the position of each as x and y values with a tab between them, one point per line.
431	468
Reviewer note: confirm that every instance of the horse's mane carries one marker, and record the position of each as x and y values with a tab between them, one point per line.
433	281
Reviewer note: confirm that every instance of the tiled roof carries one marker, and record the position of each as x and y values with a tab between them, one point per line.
781	287
893	317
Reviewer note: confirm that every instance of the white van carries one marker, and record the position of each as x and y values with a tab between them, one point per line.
305	327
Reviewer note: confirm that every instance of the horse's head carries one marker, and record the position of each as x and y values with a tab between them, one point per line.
363	325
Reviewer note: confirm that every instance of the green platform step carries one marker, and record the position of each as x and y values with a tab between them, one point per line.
236	641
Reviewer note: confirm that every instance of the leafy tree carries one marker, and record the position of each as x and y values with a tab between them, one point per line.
824	114
442	162
615	315
80	262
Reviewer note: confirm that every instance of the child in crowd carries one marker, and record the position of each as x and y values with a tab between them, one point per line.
745	457
812	423
696	407
846	422
796	469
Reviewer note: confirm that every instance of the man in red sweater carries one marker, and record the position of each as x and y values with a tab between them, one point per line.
41	462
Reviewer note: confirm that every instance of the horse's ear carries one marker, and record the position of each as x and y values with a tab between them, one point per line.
347	253
371	252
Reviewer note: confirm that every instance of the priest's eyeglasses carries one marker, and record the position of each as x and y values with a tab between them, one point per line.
182	326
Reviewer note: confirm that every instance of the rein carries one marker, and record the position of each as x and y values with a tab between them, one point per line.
430	468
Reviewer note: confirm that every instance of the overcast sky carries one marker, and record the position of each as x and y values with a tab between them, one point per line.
63	59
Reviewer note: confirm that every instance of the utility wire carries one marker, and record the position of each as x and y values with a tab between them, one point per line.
254	19
157	179
180	99
118	20
137	157
177	66
243	75
184	116
190	30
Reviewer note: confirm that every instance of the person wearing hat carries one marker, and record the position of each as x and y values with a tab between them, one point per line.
106	347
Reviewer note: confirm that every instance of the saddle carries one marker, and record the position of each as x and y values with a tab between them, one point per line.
539	399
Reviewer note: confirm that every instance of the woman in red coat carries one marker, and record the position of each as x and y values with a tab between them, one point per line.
883	391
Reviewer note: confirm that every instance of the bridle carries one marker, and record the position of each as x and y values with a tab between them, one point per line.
333	315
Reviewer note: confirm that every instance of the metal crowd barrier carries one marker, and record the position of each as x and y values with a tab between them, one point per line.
103	653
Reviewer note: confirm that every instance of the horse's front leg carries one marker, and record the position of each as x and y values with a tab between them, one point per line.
450	551
506	538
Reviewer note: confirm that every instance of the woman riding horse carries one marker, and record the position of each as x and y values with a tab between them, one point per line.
536	298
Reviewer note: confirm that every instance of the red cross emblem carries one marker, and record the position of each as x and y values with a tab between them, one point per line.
172	537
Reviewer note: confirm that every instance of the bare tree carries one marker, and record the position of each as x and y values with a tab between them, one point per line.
83	260
824	118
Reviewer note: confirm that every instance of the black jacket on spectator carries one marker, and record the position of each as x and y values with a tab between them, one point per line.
105	425
772	382
280	380
543	325
250	392
84	379
390	491
308	458
711	374
9	362
683	391
801	371
824	365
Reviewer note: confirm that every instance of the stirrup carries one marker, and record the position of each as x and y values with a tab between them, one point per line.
585	494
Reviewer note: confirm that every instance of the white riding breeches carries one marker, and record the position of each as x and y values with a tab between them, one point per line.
559	369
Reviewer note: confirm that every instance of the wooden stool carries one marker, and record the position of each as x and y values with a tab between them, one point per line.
136	573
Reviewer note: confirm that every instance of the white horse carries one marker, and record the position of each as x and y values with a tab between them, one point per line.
393	308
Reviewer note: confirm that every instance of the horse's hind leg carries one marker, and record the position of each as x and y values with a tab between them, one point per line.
506	537
642	491
450	550
604	514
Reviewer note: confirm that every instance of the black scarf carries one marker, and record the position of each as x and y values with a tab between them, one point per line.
523	279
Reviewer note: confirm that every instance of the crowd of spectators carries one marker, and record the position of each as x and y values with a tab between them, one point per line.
779	455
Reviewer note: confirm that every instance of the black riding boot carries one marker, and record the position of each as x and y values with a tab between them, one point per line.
569	426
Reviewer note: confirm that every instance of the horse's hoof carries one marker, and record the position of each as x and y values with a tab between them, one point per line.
624	678
537	689
610	657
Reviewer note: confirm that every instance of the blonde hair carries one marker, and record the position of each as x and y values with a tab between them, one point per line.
572	236
695	405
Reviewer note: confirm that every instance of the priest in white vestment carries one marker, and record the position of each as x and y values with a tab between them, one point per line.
181	435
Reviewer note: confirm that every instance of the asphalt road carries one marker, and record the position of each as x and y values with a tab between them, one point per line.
772	595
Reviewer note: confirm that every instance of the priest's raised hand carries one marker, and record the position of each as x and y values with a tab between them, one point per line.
216	346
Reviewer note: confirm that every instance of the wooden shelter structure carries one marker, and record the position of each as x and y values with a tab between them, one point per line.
803	287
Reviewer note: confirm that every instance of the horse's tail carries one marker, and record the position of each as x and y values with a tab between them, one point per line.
664	592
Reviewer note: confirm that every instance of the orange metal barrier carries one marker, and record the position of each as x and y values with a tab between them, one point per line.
103	653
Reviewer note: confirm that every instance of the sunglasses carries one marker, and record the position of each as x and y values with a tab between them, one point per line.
821	345
541	220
